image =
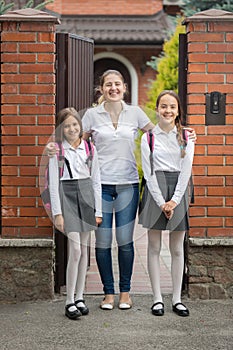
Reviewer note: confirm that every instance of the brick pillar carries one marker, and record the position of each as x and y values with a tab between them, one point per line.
27	108
210	68
27	120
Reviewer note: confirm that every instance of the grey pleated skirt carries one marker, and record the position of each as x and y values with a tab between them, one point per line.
151	215
78	205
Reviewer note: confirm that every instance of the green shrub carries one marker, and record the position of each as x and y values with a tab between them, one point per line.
167	67
30	4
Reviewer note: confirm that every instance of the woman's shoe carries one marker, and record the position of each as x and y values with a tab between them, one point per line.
180	312
107	303
73	315
83	309
157	312
125	301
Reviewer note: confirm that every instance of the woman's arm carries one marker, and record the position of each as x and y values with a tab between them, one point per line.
148	127
86	135
51	147
192	133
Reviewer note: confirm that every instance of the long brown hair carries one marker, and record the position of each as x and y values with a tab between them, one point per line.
178	121
102	80
62	115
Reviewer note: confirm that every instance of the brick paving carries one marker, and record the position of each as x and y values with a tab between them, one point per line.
140	279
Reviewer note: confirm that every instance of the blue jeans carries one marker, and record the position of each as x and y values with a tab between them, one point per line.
121	200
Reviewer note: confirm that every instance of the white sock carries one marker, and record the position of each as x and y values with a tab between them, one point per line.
80	304
82	268
177	265
158	306
72	308
154	248
74	253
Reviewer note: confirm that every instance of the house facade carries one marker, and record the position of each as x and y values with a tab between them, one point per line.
125	36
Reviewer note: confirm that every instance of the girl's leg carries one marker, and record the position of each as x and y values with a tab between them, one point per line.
177	264
126	205
74	253
82	267
104	242
153	261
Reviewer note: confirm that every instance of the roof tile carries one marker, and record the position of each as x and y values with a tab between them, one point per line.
119	29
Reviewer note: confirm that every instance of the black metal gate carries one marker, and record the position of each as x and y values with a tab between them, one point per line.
182	90
74	88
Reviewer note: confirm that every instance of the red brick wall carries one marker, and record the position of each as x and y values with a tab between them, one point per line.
210	47
27	108
106	7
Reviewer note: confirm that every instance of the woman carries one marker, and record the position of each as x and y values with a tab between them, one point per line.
114	127
165	200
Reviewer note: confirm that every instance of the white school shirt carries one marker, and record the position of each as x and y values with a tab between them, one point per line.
116	147
166	157
77	158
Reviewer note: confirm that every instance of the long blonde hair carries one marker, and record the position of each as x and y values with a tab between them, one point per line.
178	121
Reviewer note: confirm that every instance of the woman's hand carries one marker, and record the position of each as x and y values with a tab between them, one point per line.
98	220
51	149
192	133
59	223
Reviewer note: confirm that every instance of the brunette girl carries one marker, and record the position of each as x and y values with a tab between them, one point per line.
76	204
165	199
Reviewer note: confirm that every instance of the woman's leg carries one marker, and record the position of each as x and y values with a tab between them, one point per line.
104	241
153	261
177	264
74	253
82	267
126	205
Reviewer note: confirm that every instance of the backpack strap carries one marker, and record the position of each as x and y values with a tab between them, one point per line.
90	152
185	137
61	160
89	148
151	140
68	167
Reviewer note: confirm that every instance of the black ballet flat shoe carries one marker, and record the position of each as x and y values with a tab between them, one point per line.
158	312
73	315
83	309
183	313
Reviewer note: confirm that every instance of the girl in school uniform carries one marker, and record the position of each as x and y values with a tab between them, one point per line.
76	204
165	203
